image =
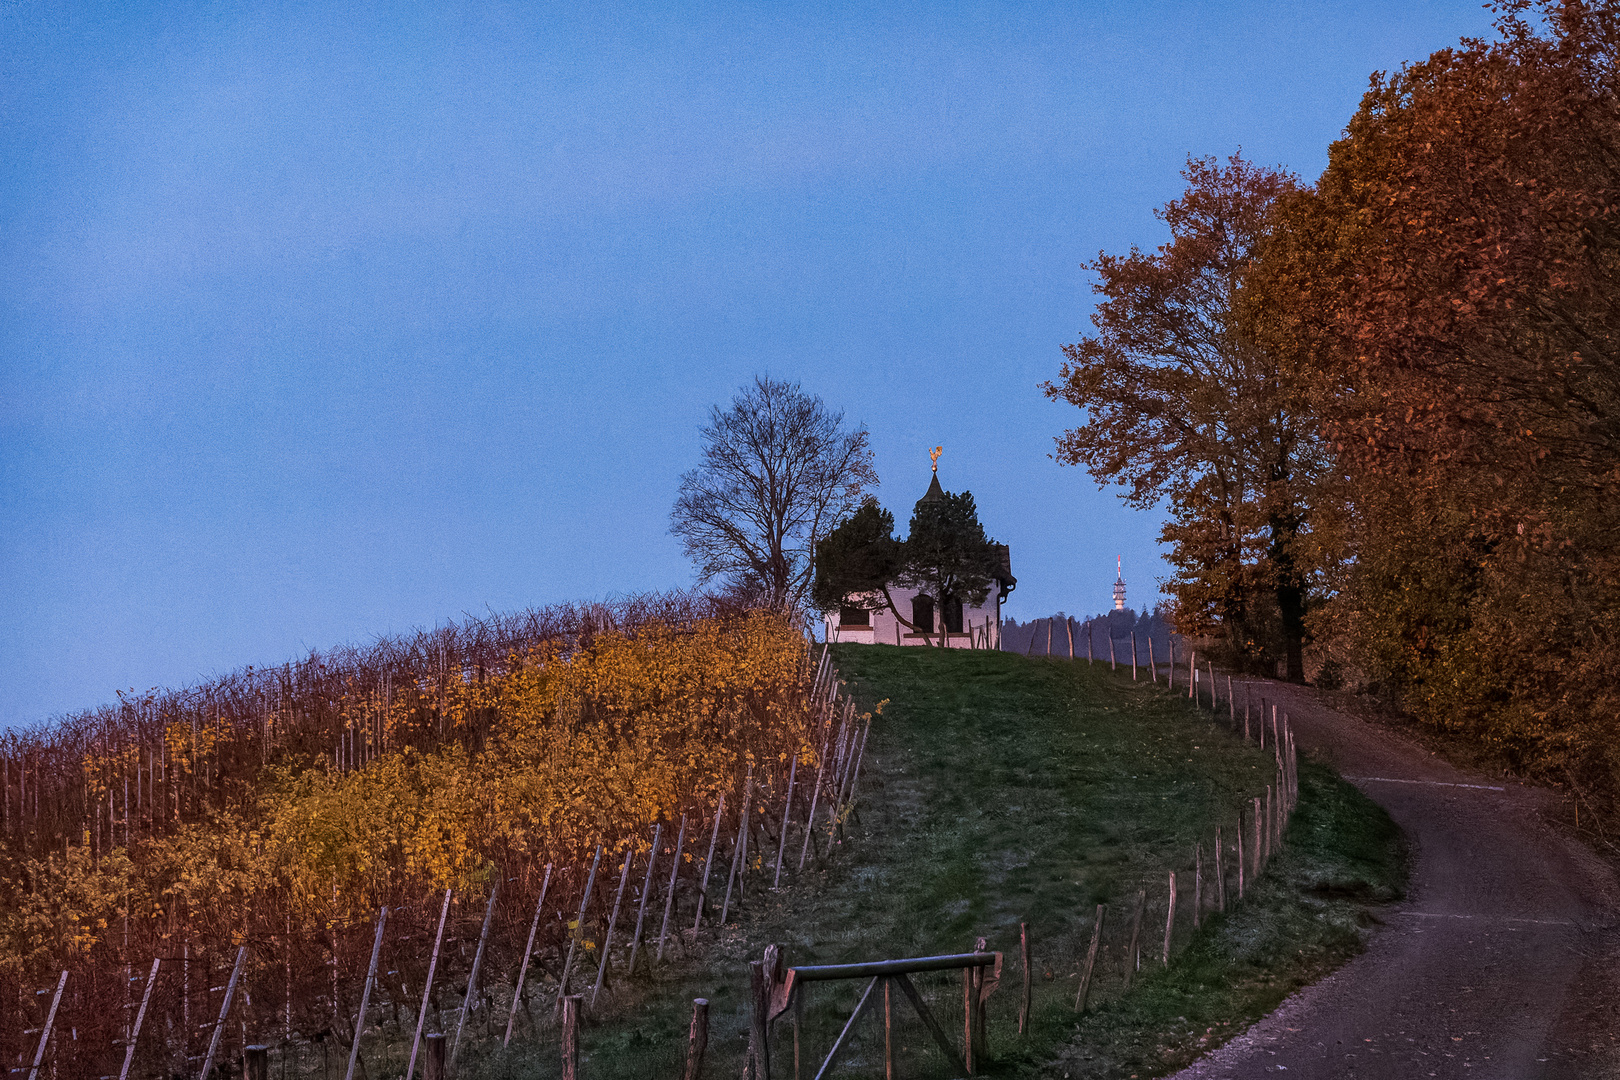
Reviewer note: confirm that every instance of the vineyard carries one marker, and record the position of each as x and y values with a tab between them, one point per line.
438	832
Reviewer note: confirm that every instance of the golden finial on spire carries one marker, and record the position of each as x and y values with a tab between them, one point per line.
934	453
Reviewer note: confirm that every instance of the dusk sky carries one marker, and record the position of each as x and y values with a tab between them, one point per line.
323	322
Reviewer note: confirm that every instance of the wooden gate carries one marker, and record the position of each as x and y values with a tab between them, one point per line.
981	974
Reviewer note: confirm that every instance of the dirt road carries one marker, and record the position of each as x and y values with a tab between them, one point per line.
1503	961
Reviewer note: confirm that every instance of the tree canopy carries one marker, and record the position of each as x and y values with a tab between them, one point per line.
947	556
1182	405
779	468
1390	400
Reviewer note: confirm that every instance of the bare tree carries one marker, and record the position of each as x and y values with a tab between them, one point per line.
779	470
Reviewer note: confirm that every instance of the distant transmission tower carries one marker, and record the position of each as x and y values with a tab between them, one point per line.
1119	585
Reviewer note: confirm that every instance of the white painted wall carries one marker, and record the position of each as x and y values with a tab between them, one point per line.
887	630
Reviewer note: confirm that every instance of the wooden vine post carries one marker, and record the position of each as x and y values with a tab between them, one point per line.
365	994
427	988
528	951
467	999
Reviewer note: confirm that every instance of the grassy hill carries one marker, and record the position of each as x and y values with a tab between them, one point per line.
1005	789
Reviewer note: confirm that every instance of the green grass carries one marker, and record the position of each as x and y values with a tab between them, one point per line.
1002	789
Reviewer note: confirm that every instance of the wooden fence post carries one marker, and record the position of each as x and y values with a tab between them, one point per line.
968	1020
433	1065
1170	919
570	1036
1271	823
757	1065
1153	665
1241	861
1068	624
256	1062
1259	841
697	1039
1192	674
980	1035
1023	1001
1220	872
1112	663
1198	882
1091	961
1136	933
1133	656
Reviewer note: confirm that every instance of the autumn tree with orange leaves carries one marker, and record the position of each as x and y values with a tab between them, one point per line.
1450	293
1182	405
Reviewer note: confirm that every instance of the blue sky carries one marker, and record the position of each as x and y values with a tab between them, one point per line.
324	321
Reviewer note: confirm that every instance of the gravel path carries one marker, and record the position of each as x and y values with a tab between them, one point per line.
1503	961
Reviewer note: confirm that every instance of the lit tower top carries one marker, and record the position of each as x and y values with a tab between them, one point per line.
1119	585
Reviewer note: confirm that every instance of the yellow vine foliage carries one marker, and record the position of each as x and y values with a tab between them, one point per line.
543	759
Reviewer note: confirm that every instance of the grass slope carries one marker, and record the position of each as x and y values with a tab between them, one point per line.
1003	789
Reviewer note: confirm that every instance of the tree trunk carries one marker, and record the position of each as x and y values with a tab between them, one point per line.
1290	594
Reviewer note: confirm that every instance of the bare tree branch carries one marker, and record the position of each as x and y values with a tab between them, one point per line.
779	469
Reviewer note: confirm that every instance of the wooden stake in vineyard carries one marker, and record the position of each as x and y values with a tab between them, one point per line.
528	951
787	816
708	863
467	999
50	1021
613	920
815	796
365	995
140	1019
224	1011
669	897
577	931
739	849
646	894
427	989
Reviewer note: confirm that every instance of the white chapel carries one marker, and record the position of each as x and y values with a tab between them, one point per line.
963	626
